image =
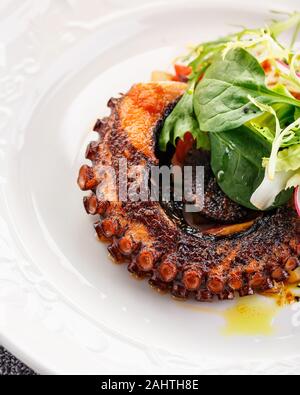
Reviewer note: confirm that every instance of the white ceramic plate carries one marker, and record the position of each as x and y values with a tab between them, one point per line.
64	307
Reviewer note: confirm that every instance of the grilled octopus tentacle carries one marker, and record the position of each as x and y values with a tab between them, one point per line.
153	243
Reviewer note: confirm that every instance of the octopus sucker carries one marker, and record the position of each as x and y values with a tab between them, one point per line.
241	253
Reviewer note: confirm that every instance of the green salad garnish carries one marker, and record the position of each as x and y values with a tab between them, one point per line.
242	103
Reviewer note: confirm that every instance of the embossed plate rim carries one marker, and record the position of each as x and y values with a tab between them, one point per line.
19	279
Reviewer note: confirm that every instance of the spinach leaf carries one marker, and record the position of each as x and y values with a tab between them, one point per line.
206	54
237	164
221	99
182	120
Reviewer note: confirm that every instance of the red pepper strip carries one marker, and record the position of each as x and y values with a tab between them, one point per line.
267	66
296	95
182	72
184	146
297	200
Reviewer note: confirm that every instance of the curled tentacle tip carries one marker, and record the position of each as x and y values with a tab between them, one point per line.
241	274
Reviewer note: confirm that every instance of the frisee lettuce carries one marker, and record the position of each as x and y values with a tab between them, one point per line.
281	165
279	137
259	43
287	159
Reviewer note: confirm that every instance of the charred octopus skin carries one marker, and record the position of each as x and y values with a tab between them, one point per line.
160	245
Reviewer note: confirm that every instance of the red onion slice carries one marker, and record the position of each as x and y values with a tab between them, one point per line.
284	67
297	200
